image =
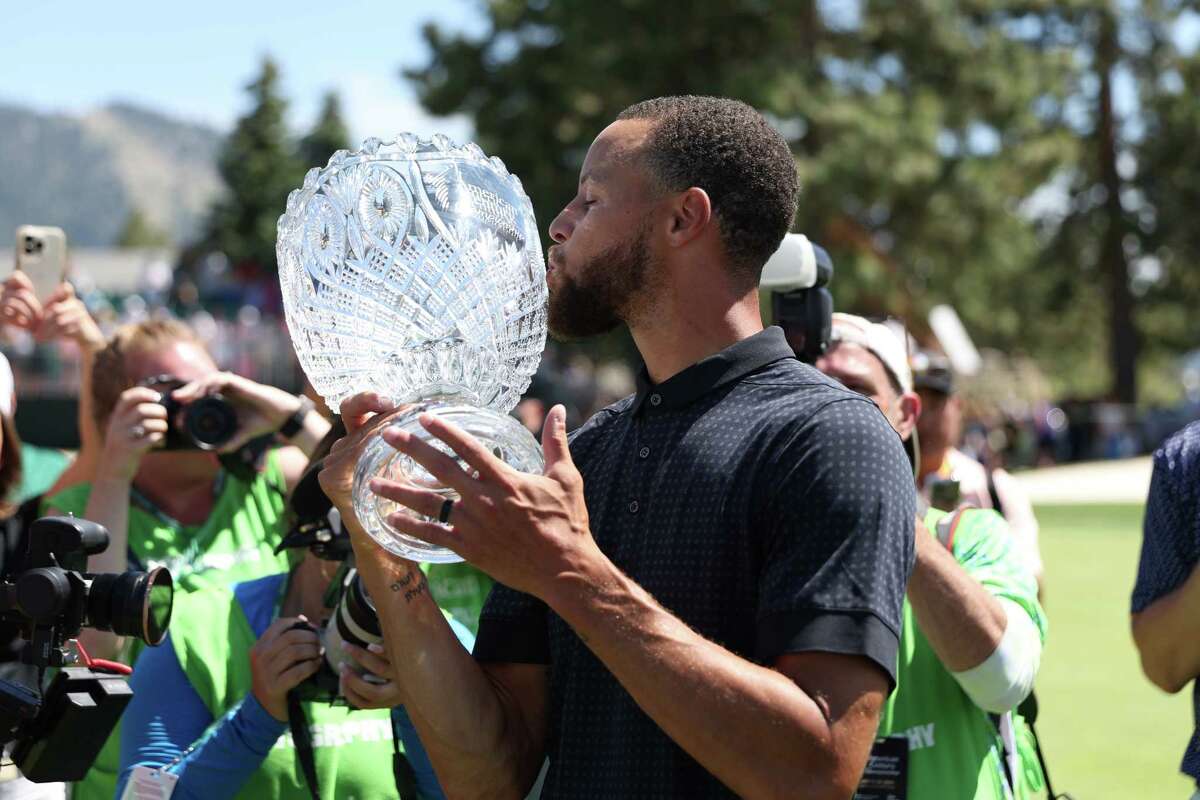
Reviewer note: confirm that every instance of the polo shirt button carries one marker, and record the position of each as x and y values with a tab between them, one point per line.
633	507
655	399
644	452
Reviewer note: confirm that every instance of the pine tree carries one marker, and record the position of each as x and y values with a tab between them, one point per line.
140	232
259	166
328	135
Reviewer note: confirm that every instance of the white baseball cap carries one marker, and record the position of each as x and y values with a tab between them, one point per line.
8	393
880	340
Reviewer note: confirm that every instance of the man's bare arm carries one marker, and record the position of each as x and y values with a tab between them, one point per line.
1167	635
482	726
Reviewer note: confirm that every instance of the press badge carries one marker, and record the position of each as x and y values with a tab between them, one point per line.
146	783
886	775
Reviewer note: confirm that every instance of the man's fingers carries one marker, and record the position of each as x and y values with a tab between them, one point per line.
279	626
554	438
466	446
443	467
371	662
430	532
293	676
422	501
356	410
284	657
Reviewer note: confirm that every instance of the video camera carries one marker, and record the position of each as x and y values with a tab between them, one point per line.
57	736
797	275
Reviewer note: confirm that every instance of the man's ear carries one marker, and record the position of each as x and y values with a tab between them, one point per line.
691	214
909	407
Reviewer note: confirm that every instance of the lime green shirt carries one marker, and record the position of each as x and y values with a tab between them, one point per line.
352	749
954	749
236	543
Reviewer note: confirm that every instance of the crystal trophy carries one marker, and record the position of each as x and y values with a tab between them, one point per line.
413	268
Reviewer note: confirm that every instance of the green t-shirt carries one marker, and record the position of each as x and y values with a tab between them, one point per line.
954	748
460	589
236	543
352	749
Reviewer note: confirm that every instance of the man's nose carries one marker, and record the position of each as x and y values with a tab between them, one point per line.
562	226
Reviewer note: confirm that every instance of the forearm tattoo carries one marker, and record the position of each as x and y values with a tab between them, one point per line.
413	585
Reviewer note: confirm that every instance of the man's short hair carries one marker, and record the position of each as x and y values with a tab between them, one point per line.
730	151
109	375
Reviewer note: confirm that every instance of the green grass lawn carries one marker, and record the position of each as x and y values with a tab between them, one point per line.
1106	731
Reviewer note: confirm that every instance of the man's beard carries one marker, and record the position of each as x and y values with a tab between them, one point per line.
605	291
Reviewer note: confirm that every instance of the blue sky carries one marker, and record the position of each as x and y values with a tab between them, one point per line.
192	60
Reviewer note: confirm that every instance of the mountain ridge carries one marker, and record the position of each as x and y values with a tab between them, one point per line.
86	172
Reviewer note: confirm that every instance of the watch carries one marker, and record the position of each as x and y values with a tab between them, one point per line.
293	424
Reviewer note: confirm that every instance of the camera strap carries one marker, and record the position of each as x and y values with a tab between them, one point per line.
302	738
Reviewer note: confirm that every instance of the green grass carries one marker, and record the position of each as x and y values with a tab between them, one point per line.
1106	731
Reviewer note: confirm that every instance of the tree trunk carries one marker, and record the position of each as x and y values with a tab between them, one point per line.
1122	344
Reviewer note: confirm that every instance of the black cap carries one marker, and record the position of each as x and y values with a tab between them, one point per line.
932	371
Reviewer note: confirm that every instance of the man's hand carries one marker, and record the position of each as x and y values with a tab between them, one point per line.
280	660
365	693
523	530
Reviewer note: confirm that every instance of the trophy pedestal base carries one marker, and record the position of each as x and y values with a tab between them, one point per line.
506	438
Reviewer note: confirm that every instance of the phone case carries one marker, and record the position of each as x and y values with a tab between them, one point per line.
42	255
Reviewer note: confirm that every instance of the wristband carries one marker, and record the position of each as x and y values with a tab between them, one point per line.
295	423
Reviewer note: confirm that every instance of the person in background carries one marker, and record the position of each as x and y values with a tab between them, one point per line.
939	432
973	630
209	518
210	706
1166	597
62	318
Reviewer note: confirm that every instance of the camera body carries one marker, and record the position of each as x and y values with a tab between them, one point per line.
58	735
353	619
797	275
204	424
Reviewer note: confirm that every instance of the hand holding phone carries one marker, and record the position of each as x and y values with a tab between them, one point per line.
42	257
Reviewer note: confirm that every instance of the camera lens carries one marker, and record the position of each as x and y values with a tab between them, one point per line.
132	603
210	422
354	621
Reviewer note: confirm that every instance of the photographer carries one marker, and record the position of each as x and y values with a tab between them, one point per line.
209	517
232	656
972	637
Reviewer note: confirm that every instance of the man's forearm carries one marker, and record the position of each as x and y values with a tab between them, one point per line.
476	745
751	726
963	622
1167	634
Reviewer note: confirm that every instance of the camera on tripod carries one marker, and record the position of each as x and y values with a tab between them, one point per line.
57	736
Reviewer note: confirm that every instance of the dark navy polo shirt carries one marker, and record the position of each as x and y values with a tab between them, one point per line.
1171	543
763	504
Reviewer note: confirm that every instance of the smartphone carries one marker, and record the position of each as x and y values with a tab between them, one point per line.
42	256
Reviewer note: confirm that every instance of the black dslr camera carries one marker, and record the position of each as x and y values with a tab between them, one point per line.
353	619
797	276
204	424
58	736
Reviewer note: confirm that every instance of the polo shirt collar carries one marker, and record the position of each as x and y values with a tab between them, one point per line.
731	364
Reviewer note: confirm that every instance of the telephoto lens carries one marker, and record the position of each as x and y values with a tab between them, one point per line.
354	621
132	603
